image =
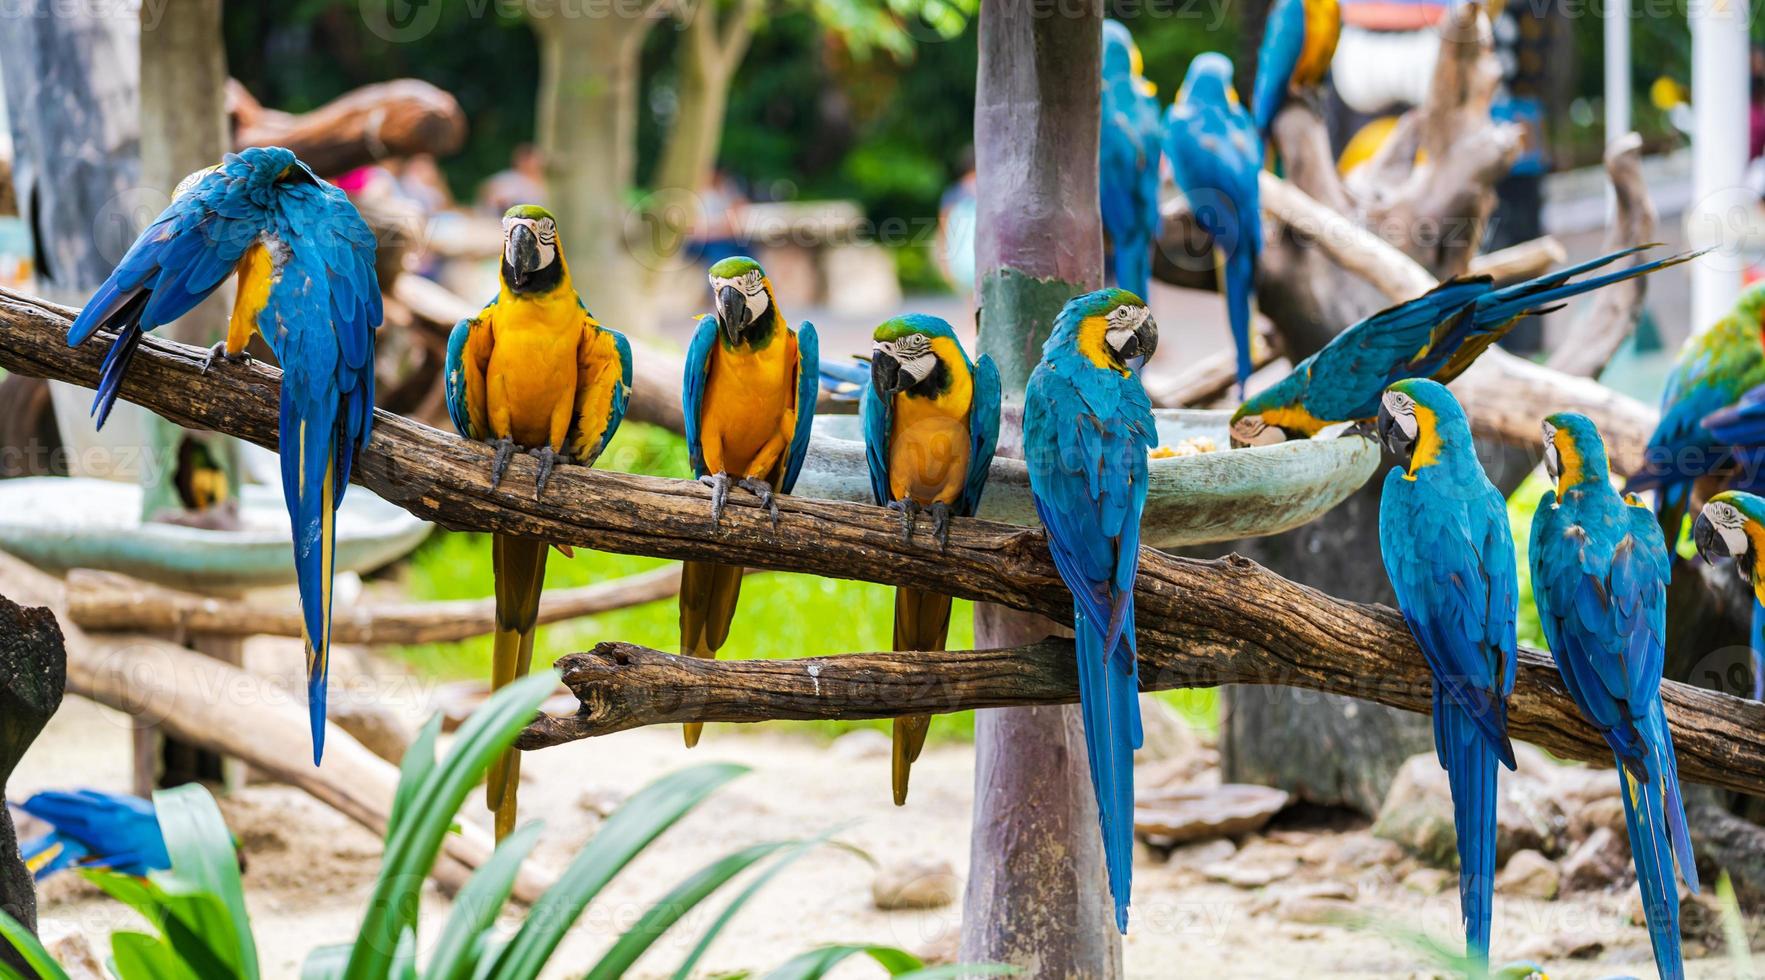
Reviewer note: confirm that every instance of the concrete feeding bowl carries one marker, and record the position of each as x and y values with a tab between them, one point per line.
61	523
1199	499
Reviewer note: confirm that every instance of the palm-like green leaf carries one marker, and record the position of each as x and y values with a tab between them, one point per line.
426	814
201	849
476	907
818	962
139	956
735	904
35	956
325	962
194	923
632	827
657	919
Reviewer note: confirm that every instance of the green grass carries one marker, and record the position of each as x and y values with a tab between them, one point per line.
781	616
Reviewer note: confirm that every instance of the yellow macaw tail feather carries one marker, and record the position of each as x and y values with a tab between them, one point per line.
41	859
922	621
708	594
519	565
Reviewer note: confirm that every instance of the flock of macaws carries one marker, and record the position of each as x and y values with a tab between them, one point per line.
534	373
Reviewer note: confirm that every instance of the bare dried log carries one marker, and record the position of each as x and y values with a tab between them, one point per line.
1359	650
1606	322
108	602
1523	261
1233	621
221	708
387	119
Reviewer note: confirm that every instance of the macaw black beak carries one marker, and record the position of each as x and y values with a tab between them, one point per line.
1709	541
1391	435
522	255
732	313
885	373
1146	340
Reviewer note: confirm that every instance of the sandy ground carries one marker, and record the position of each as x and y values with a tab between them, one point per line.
1260	910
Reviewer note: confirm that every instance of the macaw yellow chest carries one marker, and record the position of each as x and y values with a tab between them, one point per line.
928	449
750	409
530	382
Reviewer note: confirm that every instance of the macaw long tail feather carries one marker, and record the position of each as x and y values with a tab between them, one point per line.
307	441
1109	697
1471	766
1680	834
116	360
1240	276
1758	648
1653	853
708	594
922	622
519	566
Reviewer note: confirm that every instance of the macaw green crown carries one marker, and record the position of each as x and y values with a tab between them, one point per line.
1750	505
735	265
1208	80
1585	437
532	212
906	323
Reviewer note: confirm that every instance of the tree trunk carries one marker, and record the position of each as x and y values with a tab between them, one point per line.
33	673
184	129
1037	897
587	127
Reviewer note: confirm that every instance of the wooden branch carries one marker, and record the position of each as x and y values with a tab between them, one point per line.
387	119
1525	260
223	709
1507	397
1340	648
108	602
1611	317
1352	247
1233	621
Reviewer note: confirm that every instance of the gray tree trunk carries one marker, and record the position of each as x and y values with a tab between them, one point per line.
33	674
1037	896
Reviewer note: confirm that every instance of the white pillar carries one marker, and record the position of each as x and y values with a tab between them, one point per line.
1617	24
1721	207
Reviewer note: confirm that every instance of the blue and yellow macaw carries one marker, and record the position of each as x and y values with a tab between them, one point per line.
931	422
1298	41
749	399
1732	525
1436	335
1714	370
1127	166
304	259
533	371
1086	431
1216	156
1449	551
1599	579
93	829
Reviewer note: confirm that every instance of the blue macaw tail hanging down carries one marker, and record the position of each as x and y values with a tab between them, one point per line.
1216	156
1127	170
305	264
1599	579
1298	42
1449	551
93	829
1087	429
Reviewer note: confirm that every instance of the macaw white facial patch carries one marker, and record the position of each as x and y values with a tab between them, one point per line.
1402	409
544	229
752	286
1123	322
914	353
1731	524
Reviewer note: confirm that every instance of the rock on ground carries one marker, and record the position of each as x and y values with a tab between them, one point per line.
1529	874
915	884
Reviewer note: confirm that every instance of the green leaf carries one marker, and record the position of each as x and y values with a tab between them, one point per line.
193	922
201	849
325	962
476	906
32	951
139	956
735	904
418	762
628	831
680	900
427	812
817	963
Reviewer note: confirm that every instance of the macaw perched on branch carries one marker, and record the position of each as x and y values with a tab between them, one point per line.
93	829
1087	429
1216	156
1448	549
304	259
931	422
1436	335
1599	579
1714	370
1732	525
532	371
1127	167
1298	41
749	398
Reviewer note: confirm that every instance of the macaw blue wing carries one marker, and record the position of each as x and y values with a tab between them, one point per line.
454	379
1402	341
94	828
808	389
876	413
692	391
1127	179
1283	41
845	379
621	397
983	434
1216	159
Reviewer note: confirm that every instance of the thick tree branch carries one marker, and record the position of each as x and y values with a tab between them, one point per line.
1359	650
1609	319
1232	620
